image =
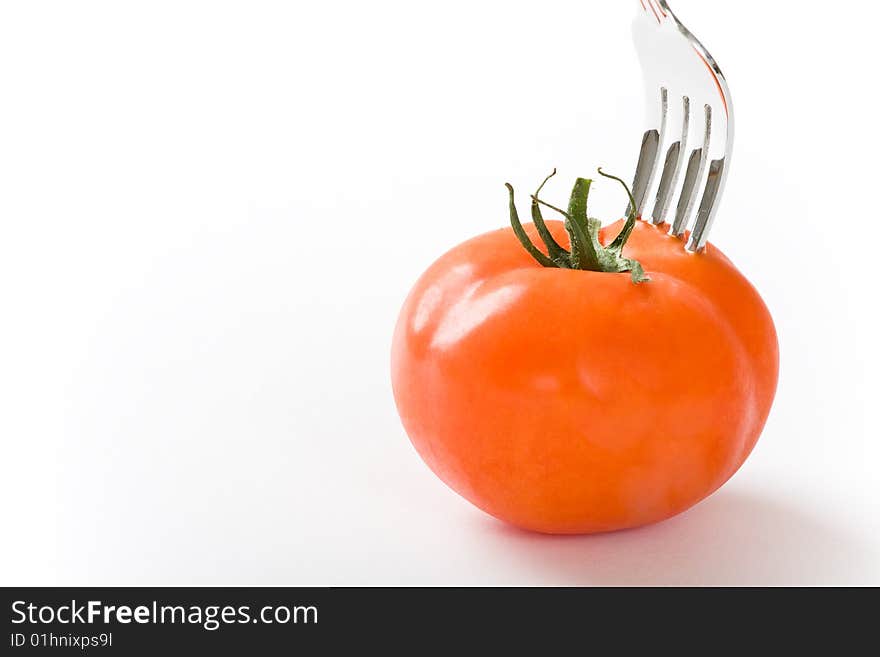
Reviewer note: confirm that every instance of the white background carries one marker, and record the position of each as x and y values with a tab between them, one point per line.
210	214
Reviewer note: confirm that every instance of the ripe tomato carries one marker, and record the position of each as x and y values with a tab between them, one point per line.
567	401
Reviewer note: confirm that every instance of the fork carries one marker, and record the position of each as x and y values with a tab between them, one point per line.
680	78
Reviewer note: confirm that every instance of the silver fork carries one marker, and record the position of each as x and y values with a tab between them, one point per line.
681	79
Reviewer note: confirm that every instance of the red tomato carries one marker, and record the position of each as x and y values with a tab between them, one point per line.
567	401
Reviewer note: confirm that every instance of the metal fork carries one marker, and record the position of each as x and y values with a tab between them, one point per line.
681	78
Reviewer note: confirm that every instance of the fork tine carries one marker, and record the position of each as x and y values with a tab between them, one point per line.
666	178
648	157
695	171
672	168
687	192
700	233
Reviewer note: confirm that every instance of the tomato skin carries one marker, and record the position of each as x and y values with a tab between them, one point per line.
572	402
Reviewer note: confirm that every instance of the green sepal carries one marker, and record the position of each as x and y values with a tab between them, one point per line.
521	235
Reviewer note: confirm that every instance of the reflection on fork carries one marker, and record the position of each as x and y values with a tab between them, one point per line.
689	107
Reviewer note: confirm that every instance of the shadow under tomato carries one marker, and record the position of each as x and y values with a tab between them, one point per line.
731	539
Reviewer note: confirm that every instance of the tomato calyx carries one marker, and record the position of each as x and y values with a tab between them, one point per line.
587	252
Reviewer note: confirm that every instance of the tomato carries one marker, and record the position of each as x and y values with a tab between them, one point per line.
567	401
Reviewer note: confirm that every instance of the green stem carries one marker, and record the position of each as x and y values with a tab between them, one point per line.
587	252
588	233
